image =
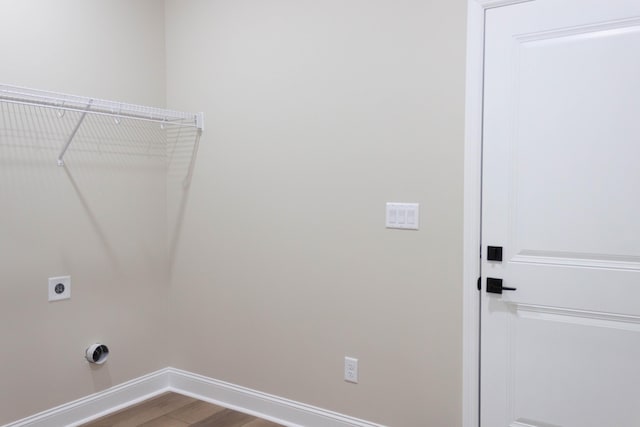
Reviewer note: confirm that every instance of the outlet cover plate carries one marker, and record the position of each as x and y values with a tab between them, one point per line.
351	370
59	288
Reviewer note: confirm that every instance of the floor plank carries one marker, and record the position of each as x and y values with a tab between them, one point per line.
261	423
226	418
196	411
176	410
144	412
165	421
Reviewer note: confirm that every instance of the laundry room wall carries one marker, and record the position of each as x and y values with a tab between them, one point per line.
101	218
317	113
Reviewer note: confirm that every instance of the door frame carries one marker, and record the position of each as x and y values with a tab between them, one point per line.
472	206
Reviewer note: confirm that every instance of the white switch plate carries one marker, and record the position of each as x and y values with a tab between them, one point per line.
59	288
351	370
403	215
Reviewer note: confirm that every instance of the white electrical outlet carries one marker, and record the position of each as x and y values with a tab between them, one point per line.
59	288
351	370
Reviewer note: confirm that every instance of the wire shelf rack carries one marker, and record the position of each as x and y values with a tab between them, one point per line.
77	108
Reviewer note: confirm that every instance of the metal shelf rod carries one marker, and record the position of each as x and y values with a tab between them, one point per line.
168	121
77	103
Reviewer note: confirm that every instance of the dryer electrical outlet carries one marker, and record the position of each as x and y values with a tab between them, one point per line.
59	288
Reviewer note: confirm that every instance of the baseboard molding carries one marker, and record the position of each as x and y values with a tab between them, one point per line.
277	409
99	404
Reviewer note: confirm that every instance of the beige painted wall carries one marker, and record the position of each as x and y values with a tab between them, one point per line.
317	113
101	220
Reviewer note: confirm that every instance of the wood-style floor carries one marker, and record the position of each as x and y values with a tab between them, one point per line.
176	410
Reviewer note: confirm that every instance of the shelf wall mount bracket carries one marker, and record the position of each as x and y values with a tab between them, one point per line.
73	133
199	119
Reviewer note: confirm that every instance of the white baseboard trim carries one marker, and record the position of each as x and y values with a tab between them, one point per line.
99	404
277	409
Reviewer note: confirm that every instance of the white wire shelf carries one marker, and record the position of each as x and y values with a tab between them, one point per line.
119	111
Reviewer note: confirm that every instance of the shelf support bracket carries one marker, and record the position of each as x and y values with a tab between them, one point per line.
73	134
200	121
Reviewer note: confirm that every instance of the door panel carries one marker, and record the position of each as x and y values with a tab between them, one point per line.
577	98
569	367
561	168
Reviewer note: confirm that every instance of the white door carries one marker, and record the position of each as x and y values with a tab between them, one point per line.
561	197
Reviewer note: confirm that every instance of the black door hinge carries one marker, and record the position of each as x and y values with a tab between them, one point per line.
479	283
